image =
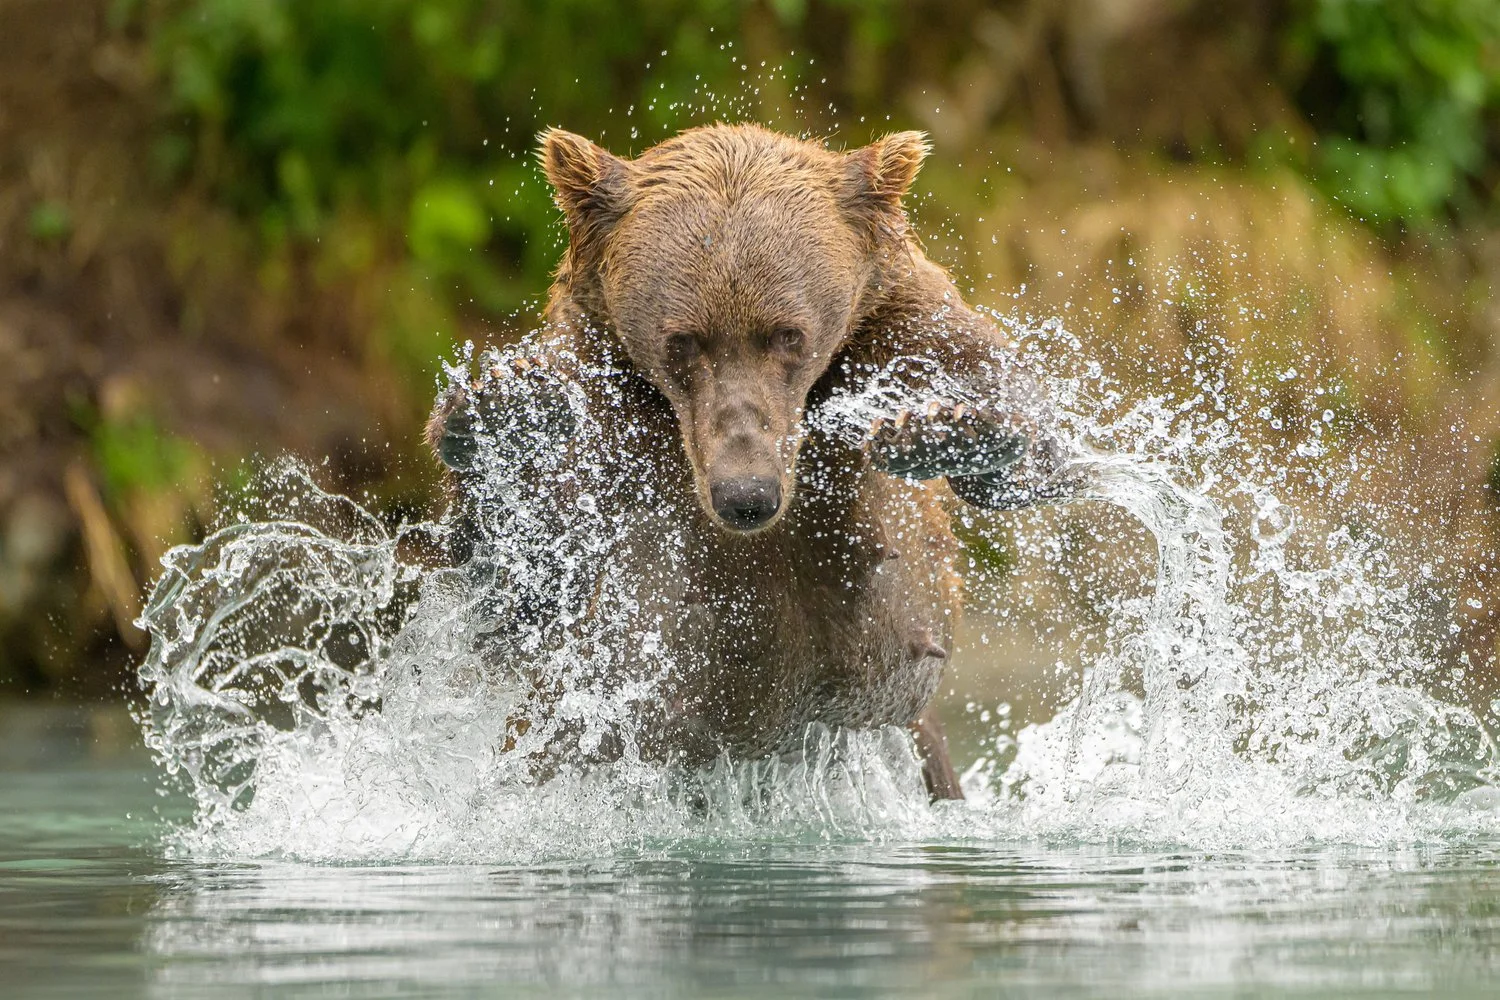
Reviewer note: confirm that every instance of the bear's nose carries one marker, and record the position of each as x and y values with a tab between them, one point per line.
746	503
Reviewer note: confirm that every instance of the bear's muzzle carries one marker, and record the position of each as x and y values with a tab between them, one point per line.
746	503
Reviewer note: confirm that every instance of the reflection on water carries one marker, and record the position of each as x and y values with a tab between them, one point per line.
843	920
89	906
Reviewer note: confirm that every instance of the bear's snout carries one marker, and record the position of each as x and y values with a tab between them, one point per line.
747	503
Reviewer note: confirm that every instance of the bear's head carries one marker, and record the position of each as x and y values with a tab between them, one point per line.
732	263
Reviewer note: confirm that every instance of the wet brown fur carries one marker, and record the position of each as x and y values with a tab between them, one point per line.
841	608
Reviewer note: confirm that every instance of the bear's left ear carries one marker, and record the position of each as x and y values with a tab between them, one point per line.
880	173
590	184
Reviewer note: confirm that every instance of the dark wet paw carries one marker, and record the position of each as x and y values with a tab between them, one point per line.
515	411
457	445
949	440
1044	476
524	404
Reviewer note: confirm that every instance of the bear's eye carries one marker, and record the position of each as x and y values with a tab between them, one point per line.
788	340
682	347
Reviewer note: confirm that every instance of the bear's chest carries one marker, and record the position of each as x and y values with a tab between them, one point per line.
763	635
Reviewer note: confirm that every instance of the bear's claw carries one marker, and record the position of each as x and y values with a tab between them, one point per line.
949	440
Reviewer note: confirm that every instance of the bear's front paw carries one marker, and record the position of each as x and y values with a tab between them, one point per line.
1044	476
527	396
451	431
522	411
949	440
517	410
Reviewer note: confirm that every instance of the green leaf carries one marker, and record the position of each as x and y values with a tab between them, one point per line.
447	219
49	222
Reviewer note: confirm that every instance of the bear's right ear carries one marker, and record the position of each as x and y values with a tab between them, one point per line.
590	184
883	171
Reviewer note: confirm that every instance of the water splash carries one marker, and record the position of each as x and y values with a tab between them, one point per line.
326	690
1272	704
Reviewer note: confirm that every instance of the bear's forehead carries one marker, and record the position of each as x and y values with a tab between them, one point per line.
692	262
733	227
763	227
720	169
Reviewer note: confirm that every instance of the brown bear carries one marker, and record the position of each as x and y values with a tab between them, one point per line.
717	290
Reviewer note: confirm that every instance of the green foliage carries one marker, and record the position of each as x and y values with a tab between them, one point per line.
136	456
396	137
1405	95
294	112
986	546
49	222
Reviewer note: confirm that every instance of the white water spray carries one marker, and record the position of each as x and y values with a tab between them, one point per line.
325	693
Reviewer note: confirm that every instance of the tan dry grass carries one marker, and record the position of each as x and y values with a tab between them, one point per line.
1168	274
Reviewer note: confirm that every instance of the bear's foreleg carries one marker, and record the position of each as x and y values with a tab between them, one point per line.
937	766
994	459
517	410
990	429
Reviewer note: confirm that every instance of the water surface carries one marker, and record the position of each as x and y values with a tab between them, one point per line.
1256	779
92	903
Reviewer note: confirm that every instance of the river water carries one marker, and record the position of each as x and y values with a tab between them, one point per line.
1256	773
93	905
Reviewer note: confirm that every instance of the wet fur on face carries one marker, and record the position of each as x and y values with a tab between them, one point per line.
731	267
733	264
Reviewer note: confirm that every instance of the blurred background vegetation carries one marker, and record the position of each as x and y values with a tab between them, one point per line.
231	227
